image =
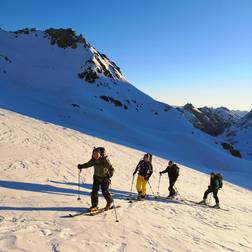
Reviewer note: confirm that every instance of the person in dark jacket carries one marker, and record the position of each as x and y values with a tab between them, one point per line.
145	170
212	188
103	171
173	173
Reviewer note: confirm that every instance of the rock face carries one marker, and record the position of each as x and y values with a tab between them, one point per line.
231	149
210	120
96	64
65	38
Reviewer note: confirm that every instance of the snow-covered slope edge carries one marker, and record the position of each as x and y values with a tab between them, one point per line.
38	186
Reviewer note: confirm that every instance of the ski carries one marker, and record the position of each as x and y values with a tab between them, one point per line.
169	198
136	200
75	214
131	200
101	210
88	213
207	206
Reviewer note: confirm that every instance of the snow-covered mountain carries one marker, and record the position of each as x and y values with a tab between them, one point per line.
82	100
213	121
57	76
240	135
232	128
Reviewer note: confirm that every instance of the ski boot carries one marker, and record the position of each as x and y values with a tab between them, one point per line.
171	196
139	196
93	209
217	206
203	202
143	197
108	206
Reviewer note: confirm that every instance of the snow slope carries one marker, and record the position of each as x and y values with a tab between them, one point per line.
38	186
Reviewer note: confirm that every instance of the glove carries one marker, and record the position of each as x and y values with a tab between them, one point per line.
79	167
147	178
108	180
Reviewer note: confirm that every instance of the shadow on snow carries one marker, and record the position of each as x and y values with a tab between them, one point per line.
51	189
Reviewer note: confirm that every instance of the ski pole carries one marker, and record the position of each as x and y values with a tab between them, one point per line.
176	190
131	188
113	201
79	185
151	189
159	184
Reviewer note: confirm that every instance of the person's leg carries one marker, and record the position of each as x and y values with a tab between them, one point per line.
171	189
144	190
209	190
94	193
105	192
139	184
215	194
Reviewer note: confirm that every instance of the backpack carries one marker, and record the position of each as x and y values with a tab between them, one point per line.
150	156
104	157
173	172
176	170
220	179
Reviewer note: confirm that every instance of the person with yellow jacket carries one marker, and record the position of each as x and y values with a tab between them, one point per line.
145	170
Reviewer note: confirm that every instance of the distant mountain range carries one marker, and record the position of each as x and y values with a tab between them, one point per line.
233	127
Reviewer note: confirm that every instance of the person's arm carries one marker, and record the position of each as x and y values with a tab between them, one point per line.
86	165
164	171
137	168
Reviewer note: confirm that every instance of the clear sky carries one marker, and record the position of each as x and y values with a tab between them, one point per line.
178	51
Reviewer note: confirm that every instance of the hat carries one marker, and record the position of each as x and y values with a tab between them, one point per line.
149	156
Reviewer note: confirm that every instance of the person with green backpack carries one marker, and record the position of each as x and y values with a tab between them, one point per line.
216	182
103	171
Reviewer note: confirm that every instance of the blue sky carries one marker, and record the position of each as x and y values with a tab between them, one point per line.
178	51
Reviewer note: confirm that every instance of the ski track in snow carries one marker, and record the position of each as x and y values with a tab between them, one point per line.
38	185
